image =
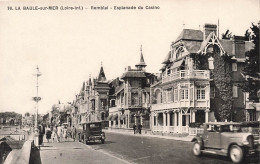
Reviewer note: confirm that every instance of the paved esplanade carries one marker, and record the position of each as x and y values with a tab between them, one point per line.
74	153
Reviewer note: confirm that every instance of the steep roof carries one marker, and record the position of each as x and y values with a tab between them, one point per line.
141	62
227	45
190	34
137	74
119	88
205	42
192	46
102	76
103	85
167	58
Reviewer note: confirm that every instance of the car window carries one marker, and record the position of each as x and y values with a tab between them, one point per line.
213	128
225	128
94	126
235	128
209	128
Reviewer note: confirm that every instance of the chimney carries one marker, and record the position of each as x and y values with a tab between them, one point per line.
208	28
238	46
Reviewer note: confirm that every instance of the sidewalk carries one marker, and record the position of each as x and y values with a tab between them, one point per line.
73	152
127	132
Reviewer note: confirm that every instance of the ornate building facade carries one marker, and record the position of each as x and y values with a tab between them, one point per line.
92	101
130	97
187	91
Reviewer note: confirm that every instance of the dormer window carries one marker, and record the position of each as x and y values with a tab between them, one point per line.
179	52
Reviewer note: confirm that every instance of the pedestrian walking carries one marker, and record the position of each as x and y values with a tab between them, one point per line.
54	134
65	135
74	133
41	133
140	128
59	133
134	127
48	133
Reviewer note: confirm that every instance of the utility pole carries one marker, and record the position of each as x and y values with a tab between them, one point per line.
36	99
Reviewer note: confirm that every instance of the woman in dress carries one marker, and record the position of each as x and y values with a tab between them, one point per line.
48	133
59	132
65	130
54	134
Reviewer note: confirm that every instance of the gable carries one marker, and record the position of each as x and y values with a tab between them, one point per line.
212	39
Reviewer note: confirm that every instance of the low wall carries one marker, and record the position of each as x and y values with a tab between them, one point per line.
22	156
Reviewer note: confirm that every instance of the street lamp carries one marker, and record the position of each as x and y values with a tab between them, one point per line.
36	99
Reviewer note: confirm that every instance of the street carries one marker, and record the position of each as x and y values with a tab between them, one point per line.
139	149
122	148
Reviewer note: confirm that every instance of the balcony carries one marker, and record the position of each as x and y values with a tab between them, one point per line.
163	106
181	104
186	74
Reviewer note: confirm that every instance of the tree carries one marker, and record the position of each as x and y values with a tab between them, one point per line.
27	114
227	35
251	69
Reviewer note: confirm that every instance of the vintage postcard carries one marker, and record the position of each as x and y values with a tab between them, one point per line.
129	81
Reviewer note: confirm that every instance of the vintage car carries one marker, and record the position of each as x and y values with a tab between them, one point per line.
92	131
225	138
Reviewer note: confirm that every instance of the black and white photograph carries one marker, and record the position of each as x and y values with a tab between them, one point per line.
129	81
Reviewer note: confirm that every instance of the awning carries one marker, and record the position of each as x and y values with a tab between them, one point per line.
109	117
114	118
177	64
122	117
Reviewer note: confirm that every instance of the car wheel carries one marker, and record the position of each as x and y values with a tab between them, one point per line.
102	141
196	149
236	154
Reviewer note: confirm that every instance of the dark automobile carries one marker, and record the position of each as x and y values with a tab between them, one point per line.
225	138
92	131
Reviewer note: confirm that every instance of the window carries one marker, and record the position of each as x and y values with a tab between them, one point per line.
158	96
212	92
172	95
179	52
184	94
200	94
234	66
252	115
175	95
235	91
134	97
211	63
168	71
169	95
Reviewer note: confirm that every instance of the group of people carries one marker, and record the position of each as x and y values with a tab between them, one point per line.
137	128
57	133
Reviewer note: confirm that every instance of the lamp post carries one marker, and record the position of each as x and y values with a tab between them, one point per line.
36	99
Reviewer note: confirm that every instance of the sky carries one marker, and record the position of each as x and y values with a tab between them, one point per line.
69	46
